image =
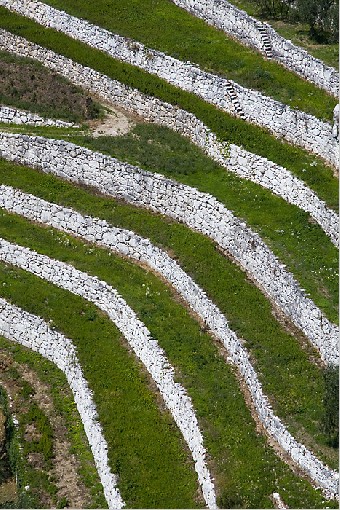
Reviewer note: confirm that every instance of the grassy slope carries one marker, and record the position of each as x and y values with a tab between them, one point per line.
306	166
295	386
164	26
63	401
26	84
224	417
298	33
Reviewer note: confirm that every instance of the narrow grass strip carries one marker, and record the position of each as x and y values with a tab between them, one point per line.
127	243
300	381
197	210
33	332
138	337
294	126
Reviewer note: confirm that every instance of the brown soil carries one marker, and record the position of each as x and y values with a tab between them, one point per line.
116	123
65	465
28	85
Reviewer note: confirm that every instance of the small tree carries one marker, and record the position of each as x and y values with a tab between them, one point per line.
322	17
330	420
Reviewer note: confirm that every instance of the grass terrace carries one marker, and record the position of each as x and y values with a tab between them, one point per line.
295	383
138	452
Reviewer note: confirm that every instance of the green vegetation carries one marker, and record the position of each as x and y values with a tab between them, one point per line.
26	84
64	406
113	374
295	386
331	405
168	28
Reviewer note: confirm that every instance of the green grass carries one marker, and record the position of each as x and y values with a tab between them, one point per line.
226	422
295	386
164	26
28	85
65	407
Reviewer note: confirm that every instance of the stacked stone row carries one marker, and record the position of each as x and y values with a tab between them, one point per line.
245	28
295	126
128	244
15	116
33	333
245	164
138	337
200	211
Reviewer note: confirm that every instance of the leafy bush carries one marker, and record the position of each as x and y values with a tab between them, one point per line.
331	405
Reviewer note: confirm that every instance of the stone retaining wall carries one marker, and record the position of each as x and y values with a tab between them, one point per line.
32	332
10	115
128	244
245	164
146	349
295	126
199	211
252	32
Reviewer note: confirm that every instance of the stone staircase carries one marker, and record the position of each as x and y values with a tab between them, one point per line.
234	99
265	39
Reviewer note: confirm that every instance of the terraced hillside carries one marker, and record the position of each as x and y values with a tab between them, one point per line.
168	259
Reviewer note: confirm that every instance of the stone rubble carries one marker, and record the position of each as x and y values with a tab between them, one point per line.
145	347
199	211
295	126
128	244
10	115
245	164
250	32
33	333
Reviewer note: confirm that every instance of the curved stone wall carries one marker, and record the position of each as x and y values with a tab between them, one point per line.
32	332
146	349
295	126
10	115
264	38
128	244
245	164
199	211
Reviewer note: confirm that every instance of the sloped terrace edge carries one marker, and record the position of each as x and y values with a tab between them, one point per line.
199	211
295	126
126	243
32	332
146	349
9	115
235	159
253	33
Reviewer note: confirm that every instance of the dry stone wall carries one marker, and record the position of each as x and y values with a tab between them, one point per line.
32	332
293	125
131	245
199	211
14	116
264	38
139	338
245	164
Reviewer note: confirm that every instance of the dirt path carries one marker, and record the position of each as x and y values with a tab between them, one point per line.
115	123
